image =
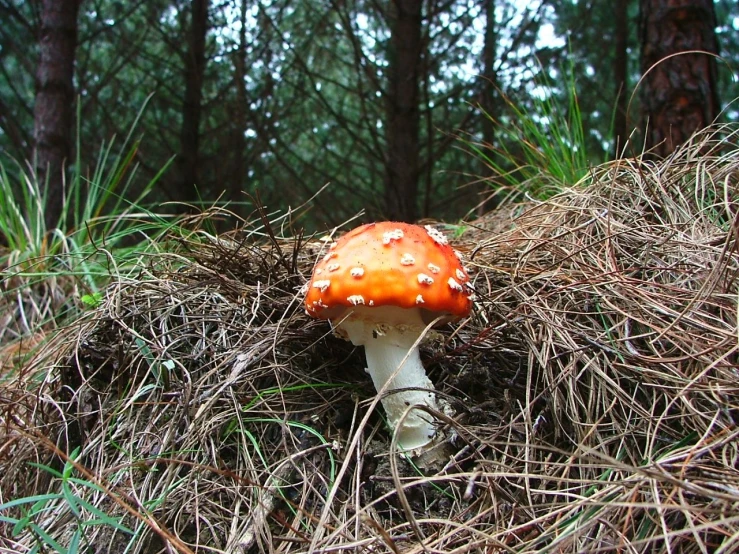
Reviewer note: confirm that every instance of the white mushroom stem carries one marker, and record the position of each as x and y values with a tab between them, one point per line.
388	335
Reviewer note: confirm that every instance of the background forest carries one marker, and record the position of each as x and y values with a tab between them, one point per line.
385	102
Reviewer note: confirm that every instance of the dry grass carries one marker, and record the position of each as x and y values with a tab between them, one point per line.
596	391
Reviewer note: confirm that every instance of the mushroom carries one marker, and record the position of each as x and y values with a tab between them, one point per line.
380	285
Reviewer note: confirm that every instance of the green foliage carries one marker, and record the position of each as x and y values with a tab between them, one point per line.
50	274
590	33
241	427
541	149
72	498
97	215
92	300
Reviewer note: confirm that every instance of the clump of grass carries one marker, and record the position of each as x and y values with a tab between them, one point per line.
50	275
539	150
72	493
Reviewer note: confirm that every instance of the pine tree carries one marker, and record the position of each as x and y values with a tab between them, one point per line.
53	110
679	94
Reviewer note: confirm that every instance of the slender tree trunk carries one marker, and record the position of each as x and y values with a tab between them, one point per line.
192	107
489	99
238	177
403	113
679	93
620	73
53	109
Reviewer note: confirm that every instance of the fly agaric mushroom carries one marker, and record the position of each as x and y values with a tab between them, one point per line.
380	285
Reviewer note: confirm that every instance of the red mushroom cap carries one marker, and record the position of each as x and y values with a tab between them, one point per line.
390	264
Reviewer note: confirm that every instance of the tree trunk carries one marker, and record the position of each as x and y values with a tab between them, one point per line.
403	113
192	106
53	108
620	72
679	94
489	102
240	123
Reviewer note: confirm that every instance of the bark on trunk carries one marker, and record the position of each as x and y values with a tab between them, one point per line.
192	106
679	93
53	108
620	72
489	102
403	113
238	177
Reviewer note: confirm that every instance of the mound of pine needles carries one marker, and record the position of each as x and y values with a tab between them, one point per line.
595	389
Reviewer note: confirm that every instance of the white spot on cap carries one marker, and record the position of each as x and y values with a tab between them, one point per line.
407	259
356	272
322	284
333	245
454	285
461	275
328	256
436	235
458	254
355	299
333	267
425	279
419	299
389	236
318	271
434	268
371	303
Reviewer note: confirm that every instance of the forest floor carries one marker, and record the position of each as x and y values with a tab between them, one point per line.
595	391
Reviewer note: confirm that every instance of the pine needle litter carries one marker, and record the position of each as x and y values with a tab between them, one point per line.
595	391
